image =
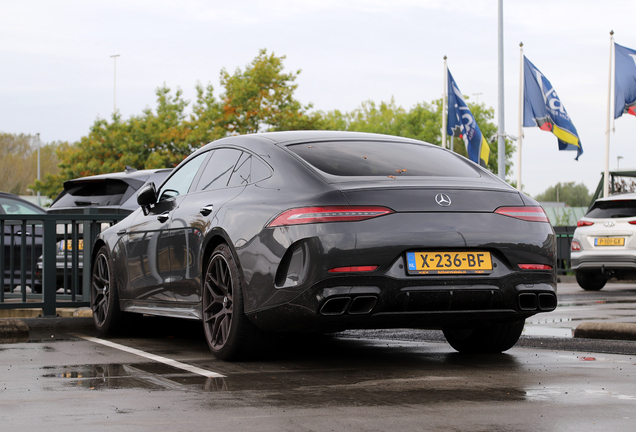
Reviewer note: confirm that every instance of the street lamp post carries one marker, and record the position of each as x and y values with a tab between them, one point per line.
114	57
38	135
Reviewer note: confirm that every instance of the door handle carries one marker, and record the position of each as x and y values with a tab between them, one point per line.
206	210
163	216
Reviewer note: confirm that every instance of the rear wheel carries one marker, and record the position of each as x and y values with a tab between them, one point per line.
590	280
229	333
108	317
494	339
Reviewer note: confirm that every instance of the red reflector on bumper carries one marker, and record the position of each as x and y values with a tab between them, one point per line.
535	267
353	269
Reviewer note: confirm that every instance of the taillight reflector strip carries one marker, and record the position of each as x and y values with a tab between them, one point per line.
532	214
309	215
535	267
353	269
575	246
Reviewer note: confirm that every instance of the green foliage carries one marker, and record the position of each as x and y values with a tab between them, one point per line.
18	162
574	195
563	217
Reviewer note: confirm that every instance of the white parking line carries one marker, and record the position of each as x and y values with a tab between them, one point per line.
154	357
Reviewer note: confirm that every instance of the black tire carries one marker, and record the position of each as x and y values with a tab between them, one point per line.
590	280
229	333
108	317
494	339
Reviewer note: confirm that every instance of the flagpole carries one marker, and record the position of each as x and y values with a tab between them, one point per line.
501	130
445	104
520	130
607	124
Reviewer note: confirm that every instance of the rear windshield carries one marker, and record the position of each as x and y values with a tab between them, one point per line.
613	209
102	192
372	158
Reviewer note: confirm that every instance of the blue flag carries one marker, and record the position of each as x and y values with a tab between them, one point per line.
462	124
543	108
624	81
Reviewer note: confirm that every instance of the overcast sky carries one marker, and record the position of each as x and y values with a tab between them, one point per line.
56	74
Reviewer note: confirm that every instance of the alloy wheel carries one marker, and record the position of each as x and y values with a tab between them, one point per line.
100	289
218	304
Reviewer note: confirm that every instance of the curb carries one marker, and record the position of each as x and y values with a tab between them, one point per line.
604	330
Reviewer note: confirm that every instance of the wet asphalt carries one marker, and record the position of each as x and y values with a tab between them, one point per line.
59	378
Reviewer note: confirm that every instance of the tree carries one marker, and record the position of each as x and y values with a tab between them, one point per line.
18	162
572	194
261	98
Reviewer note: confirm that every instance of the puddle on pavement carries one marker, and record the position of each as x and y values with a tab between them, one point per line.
121	376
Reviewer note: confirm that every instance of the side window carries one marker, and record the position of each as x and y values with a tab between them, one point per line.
260	170
219	169
12	207
180	182
241	174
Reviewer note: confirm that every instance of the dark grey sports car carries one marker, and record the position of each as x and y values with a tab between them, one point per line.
325	231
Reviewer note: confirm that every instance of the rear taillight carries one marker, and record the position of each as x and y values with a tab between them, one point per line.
309	215
575	246
632	222
585	223
532	214
535	267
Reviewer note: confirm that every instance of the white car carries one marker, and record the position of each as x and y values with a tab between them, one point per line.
604	242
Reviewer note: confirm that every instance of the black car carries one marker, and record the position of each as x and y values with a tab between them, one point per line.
113	193
15	242
315	231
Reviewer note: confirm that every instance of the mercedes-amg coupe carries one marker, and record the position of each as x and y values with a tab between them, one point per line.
314	231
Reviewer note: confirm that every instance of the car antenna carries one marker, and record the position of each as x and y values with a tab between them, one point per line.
129	169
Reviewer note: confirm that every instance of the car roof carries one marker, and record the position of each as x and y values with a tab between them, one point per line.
619	197
123	175
21	200
285	137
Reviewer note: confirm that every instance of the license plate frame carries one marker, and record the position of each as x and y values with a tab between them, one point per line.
449	262
609	241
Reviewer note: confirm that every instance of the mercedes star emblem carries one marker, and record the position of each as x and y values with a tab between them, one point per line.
442	200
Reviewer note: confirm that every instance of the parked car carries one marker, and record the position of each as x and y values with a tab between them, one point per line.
312	231
13	266
604	242
114	193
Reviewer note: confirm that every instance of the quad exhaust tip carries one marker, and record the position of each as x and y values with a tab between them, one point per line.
532	301
359	305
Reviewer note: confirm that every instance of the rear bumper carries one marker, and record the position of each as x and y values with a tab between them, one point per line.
383	302
589	261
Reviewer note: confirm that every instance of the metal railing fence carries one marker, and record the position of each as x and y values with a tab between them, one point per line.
45	259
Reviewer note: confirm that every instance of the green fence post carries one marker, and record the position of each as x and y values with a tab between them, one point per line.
49	282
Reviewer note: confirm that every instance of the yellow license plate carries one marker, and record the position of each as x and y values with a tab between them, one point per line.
609	241
432	263
69	245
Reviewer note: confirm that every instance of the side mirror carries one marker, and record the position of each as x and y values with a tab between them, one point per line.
147	195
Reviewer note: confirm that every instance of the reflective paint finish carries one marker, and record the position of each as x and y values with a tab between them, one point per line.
159	254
